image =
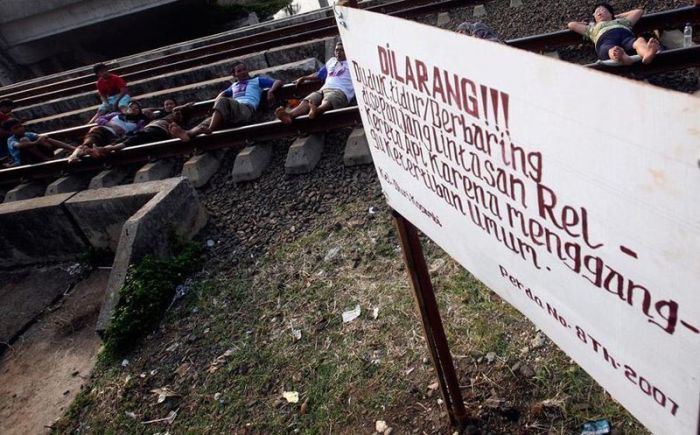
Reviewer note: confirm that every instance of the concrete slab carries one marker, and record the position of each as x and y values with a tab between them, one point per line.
443	19
174	209
552	54
108	178
25	191
479	11
38	230
158	170
672	39
516	3
357	149
25	293
304	154
251	162
200	168
70	183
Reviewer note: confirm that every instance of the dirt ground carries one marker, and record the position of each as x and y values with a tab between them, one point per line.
45	368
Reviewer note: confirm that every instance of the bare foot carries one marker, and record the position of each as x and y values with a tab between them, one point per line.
313	110
179	132
283	115
652	48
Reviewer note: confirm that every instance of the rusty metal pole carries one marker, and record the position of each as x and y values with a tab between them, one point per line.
430	316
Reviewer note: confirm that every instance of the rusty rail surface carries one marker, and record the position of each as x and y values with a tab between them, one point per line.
235	138
314	29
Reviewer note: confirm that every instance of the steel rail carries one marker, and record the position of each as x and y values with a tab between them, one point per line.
235	138
657	20
314	29
670	60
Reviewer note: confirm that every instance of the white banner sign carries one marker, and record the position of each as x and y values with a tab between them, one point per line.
574	194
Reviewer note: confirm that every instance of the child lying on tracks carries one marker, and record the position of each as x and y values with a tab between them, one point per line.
235	106
159	128
27	148
336	92
110	128
613	37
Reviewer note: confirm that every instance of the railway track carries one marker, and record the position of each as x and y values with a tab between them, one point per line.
234	138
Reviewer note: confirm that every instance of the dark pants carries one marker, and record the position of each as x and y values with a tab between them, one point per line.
616	37
147	135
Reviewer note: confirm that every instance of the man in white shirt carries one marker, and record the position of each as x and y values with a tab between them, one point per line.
336	92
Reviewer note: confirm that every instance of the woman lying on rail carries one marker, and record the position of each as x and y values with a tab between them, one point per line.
613	37
110	128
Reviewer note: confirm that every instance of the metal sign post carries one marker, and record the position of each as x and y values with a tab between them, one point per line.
430	316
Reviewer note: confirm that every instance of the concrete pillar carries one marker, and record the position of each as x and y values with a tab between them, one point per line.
443	19
304	154
158	170
357	149
251	162
479	11
108	178
25	191
70	183
200	168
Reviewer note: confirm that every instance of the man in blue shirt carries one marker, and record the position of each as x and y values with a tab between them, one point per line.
234	106
27	148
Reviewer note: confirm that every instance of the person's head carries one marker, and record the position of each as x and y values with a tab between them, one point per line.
133	108
340	51
477	30
169	105
14	126
6	105
101	70
240	71
603	12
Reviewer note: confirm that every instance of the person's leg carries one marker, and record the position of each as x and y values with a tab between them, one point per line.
301	109
646	49
332	99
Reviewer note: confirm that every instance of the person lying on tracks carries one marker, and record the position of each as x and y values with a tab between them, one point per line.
159	128
112	91
478	30
27	148
336	92
109	129
234	106
613	37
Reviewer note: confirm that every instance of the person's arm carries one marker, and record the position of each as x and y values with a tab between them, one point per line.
634	15
272	92
311	77
58	143
122	91
578	27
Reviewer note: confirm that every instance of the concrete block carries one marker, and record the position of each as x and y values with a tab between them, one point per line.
672	39
516	3
479	11
108	178
25	191
38	230
159	170
285	54
200	168
174	208
304	154
70	183
443	19
251	162
552	54
357	149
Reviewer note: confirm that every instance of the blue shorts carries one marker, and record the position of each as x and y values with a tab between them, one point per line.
615	37
108	106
